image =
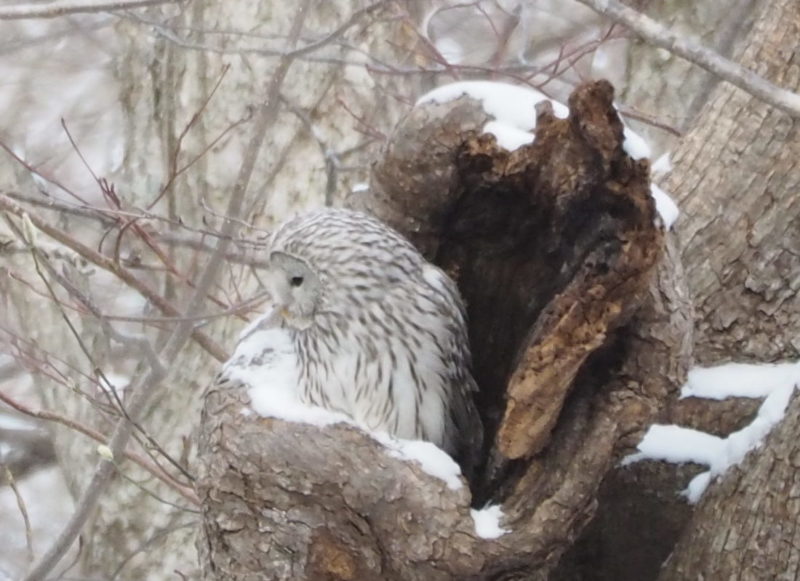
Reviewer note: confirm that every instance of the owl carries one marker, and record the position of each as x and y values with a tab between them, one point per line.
368	328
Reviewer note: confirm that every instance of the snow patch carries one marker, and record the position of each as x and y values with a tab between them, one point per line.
118	382
513	112
265	361
432	459
677	444
360	187
487	522
635	145
450	49
508	137
665	206
662	165
512	108
740	380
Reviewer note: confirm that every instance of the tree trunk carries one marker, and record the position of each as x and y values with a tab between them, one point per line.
746	525
664	87
737	176
554	247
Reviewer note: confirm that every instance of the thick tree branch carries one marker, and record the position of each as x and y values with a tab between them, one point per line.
691	49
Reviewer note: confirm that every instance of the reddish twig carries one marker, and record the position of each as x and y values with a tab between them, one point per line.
48	416
8	205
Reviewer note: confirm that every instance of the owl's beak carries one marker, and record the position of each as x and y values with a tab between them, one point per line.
284	312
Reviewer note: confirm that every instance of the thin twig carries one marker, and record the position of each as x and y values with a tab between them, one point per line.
136	344
110	195
63	8
174	172
137	459
157	537
169	34
109	217
8	205
23	511
691	50
152	494
142	388
40	260
329	156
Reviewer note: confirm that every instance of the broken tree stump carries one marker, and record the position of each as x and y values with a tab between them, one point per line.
578	331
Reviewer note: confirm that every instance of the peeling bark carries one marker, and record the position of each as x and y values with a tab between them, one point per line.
555	248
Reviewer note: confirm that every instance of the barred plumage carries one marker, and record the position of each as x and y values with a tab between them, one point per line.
378	333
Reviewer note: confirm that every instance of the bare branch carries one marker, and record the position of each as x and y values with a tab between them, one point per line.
23	511
691	50
8	205
100	438
293	53
108	218
143	386
56	9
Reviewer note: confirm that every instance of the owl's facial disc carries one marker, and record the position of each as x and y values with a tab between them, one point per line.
295	288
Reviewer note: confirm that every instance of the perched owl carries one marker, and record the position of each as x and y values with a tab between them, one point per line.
374	331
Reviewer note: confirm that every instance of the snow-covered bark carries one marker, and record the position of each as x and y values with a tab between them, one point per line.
166	127
735	181
554	247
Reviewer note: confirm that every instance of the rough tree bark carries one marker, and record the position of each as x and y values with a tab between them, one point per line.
738	176
666	87
736	179
555	248
746	526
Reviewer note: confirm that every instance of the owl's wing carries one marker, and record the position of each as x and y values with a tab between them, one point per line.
242	357
469	429
465	443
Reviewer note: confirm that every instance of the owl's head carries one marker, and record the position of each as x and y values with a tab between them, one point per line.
295	287
334	262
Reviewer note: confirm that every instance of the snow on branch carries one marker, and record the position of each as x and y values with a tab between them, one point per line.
691	50
678	444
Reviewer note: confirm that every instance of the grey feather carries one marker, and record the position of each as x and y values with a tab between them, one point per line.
379	333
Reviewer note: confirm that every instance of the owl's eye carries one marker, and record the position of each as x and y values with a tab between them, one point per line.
296	281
